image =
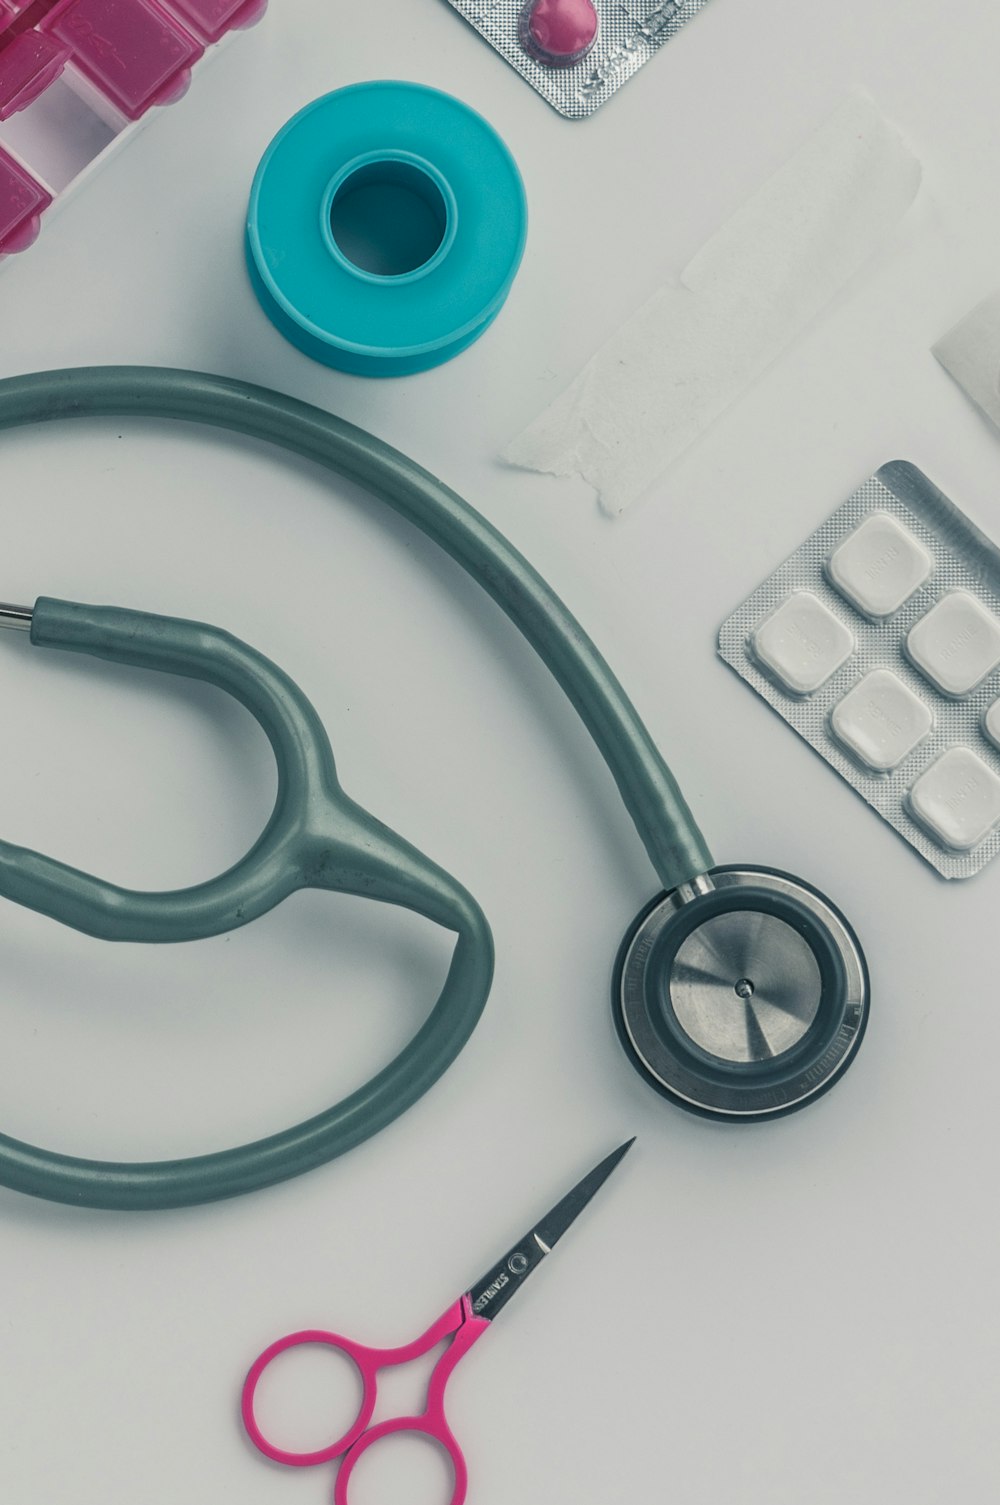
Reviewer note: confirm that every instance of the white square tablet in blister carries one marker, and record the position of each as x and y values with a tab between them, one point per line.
802	643
991	723
879	566
881	720
956	644
958	799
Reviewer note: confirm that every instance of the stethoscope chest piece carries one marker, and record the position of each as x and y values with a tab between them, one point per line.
742	995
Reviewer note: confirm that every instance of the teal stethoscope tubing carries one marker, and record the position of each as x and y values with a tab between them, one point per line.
674	844
316	837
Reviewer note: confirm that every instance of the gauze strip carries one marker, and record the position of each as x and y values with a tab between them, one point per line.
690	350
971	354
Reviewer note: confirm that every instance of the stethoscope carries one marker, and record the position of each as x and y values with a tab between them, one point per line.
740	993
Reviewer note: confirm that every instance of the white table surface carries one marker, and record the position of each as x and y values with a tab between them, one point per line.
797	1312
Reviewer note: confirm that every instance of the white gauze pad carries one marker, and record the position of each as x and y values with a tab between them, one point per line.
690	351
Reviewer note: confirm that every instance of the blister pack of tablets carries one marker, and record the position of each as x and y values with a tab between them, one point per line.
879	642
577	53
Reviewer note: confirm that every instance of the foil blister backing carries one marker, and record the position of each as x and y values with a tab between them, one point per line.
631	32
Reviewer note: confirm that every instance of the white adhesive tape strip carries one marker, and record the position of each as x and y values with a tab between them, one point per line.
690	351
971	354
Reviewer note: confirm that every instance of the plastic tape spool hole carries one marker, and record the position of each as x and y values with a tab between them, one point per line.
388	217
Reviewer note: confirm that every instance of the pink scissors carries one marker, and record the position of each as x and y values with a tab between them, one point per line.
464	1322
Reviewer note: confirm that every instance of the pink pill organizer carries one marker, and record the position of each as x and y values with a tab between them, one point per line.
76	76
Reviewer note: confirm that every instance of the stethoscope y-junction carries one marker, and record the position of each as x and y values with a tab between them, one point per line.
740	992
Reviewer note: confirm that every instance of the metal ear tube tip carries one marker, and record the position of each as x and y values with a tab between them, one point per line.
17	618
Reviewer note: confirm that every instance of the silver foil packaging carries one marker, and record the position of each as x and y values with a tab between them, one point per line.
577	53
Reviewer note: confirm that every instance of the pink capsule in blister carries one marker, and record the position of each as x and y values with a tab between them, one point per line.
577	53
558	33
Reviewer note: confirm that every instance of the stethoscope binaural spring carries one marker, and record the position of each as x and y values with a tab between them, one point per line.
740	993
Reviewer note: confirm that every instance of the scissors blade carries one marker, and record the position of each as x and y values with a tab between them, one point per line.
490	1294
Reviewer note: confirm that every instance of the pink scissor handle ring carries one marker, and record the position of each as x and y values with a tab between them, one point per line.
433	1426
458	1322
366	1360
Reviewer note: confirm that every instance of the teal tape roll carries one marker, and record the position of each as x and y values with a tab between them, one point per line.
386	224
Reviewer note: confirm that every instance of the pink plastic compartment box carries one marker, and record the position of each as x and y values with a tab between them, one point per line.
89	69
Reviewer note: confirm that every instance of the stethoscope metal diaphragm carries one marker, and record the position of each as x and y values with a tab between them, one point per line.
741	995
